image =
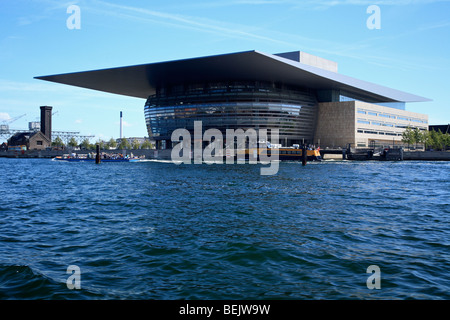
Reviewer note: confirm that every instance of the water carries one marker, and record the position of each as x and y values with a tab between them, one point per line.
155	230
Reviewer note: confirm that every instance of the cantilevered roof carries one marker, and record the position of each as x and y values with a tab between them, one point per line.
142	80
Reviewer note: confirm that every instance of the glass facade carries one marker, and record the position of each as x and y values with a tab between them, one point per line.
345	96
233	105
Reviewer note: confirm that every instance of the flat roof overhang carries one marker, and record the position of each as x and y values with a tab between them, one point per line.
142	80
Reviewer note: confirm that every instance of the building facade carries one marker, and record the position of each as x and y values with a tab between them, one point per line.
233	105
32	140
363	124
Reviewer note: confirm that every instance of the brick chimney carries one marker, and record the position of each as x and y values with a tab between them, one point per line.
46	121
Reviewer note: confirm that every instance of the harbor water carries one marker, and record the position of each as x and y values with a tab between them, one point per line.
156	230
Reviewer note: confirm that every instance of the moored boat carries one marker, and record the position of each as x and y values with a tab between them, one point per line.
285	153
295	154
103	158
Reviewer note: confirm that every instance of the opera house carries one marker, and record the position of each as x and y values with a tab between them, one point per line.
302	95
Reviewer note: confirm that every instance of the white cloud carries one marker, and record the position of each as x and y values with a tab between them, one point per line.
126	124
9	85
308	4
442	24
287	40
4	116
182	21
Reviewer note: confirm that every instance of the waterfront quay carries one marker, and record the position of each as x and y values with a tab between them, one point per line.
165	154
383	154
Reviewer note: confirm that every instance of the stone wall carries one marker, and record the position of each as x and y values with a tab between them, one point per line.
335	124
166	154
148	153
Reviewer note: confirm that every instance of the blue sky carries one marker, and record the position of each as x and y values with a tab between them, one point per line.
410	52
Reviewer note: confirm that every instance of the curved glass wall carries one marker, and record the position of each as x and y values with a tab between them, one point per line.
224	106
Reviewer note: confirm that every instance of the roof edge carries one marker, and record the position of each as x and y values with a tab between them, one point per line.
393	94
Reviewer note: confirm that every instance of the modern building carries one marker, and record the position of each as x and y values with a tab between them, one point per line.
302	95
363	124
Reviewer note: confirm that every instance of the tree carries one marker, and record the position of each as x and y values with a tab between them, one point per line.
58	142
87	145
445	141
136	144
146	145
101	143
73	142
435	139
112	144
124	144
441	140
408	136
418	136
426	139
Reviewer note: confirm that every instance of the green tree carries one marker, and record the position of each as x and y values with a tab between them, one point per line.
418	136
136	144
101	143
442	140
435	139
426	139
112	144
58	142
124	144
73	142
408	136
146	145
445	141
86	144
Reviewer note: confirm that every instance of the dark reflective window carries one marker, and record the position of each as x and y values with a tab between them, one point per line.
233	106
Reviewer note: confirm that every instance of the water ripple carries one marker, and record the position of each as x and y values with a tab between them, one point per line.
155	230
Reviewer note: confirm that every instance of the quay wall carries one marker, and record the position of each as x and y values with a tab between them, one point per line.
166	154
427	155
148	153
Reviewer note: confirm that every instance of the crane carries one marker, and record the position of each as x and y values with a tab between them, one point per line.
5	125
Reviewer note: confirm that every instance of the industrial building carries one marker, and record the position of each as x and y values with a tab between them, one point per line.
302	95
35	140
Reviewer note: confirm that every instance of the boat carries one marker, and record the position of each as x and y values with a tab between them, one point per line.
59	158
103	158
293	153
